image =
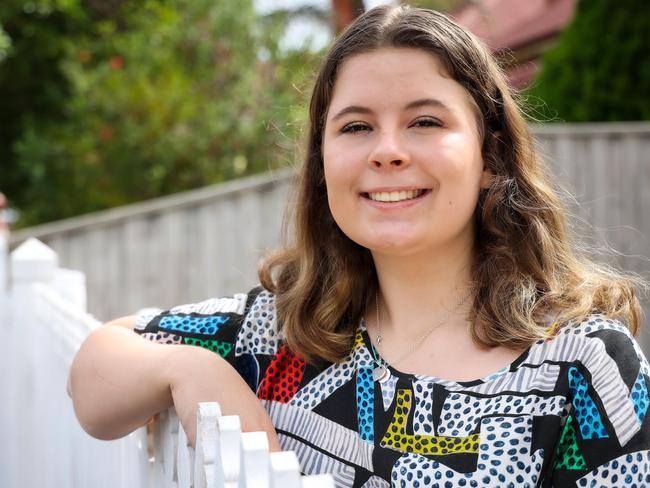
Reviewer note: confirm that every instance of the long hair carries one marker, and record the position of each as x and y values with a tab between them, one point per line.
526	267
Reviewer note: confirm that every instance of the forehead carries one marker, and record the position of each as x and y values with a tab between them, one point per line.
391	76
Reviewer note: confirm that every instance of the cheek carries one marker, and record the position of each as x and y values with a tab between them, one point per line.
329	164
457	159
460	147
338	169
341	198
333	172
334	185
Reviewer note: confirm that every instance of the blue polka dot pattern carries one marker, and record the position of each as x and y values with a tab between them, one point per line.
332	378
461	413
629	470
423	417
260	333
586	411
208	325
639	396
504	459
365	403
321	387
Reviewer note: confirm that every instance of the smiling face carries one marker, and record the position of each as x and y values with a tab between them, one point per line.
402	153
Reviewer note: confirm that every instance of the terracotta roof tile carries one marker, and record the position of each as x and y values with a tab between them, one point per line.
511	24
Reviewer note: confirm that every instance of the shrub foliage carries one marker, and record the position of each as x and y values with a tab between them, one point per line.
600	68
121	101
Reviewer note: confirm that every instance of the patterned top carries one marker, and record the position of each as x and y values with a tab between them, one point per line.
570	411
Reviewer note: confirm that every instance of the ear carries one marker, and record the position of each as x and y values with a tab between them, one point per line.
486	179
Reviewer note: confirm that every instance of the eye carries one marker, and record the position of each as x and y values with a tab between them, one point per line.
427	122
354	127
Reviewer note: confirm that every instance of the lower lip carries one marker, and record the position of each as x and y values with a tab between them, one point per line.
396	205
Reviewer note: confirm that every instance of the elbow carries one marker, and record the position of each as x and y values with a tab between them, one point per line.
107	383
96	423
100	430
103	432
87	400
97	430
89	417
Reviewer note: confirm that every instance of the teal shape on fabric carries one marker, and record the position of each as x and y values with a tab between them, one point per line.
639	396
586	412
366	403
220	347
208	325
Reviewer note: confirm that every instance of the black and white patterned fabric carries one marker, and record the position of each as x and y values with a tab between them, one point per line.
570	411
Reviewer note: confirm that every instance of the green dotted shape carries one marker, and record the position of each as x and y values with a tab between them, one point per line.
568	455
221	348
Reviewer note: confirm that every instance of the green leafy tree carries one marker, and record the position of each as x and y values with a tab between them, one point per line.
600	68
33	40
162	96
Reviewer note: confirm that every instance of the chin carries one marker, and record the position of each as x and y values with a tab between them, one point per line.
395	247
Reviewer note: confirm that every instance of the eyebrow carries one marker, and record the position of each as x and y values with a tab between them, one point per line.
422	102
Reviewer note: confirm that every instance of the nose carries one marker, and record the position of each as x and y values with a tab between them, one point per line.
389	152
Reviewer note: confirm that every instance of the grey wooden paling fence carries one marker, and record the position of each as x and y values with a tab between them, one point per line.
170	250
206	242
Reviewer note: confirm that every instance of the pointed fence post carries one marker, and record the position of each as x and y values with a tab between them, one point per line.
208	472
185	460
230	440
31	263
285	470
254	459
5	330
43	443
224	456
171	447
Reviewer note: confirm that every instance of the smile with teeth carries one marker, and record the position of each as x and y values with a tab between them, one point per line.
394	196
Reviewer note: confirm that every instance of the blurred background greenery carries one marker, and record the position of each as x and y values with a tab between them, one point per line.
108	102
599	67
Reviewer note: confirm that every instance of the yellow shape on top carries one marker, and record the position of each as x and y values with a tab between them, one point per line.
397	438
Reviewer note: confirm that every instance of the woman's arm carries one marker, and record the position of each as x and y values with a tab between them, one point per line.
119	380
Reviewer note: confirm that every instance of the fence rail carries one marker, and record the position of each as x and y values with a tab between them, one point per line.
43	323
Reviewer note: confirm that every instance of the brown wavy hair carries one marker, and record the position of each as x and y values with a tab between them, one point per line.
526	268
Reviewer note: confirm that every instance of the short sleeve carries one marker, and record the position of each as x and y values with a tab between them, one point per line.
221	325
605	439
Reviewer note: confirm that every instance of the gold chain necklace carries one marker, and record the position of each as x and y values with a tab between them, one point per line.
381	373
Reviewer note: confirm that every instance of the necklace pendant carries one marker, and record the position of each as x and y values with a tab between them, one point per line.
380	373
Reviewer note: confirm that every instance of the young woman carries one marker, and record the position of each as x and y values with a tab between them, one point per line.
430	324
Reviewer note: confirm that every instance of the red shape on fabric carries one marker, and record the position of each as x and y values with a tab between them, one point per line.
282	377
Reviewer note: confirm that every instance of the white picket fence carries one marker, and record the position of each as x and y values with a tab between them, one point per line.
43	321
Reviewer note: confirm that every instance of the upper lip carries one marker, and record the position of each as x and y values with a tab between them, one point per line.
388	189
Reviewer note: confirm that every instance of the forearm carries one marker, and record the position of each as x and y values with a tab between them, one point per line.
118	381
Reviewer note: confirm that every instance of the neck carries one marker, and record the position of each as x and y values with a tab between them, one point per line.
416	290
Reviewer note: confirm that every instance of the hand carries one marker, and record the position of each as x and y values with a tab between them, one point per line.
198	375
